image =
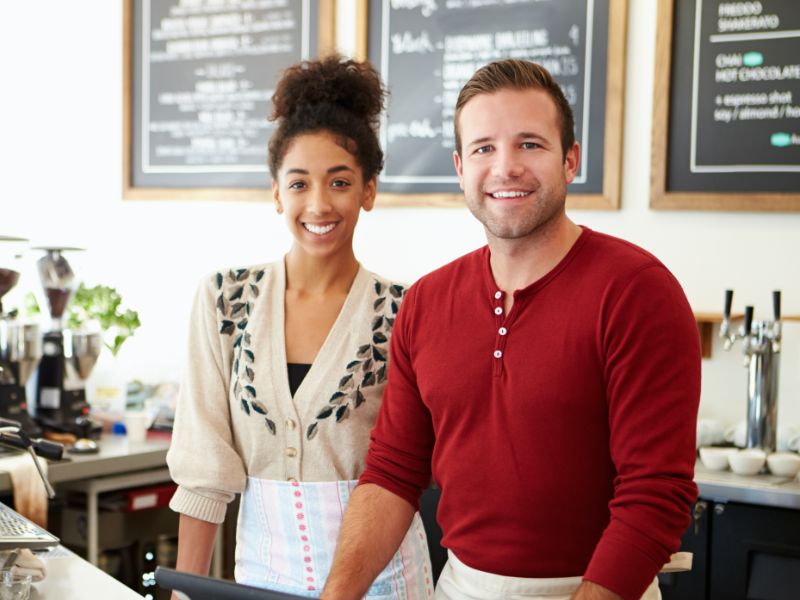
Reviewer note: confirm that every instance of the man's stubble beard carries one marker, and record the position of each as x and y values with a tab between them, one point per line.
536	217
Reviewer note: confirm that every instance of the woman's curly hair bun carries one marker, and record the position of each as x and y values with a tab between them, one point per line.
355	86
343	97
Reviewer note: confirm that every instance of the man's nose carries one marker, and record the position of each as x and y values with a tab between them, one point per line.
508	163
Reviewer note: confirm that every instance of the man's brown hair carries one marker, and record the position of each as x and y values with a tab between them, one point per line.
517	74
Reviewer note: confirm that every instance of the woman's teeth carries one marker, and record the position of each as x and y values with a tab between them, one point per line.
509	194
320	230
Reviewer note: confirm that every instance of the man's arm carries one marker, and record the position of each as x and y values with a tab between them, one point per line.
374	525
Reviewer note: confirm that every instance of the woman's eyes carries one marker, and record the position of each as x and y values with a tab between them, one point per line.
296	185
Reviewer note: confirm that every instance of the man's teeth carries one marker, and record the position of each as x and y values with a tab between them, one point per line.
319	230
509	194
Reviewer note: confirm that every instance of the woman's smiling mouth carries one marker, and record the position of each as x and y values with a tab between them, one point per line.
320	229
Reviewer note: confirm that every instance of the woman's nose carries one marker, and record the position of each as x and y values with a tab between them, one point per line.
319	202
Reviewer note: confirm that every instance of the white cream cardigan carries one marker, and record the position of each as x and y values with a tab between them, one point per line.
236	417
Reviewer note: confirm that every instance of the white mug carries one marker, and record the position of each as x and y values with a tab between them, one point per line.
710	432
136	425
788	437
737	434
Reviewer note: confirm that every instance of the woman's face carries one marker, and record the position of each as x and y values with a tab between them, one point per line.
321	189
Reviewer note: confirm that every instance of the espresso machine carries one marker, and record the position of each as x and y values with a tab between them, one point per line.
20	351
68	357
761	346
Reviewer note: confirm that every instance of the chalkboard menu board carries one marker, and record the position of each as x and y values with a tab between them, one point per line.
202	77
727	112
426	50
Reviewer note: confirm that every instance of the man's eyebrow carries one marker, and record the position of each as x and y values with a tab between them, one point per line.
340	168
529	135
479	141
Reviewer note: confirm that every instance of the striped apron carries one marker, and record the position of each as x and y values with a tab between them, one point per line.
287	535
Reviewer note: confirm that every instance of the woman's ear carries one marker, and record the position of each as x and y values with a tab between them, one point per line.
370	191
276	196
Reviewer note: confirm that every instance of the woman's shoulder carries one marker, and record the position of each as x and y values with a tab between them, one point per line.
232	279
387	289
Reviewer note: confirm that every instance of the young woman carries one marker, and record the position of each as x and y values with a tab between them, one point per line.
288	360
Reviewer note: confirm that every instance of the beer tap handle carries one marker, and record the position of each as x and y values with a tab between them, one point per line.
728	304
776	304
748	320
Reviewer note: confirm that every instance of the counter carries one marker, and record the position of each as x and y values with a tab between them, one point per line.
766	490
117	455
69	577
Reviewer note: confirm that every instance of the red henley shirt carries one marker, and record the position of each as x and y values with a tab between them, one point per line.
561	435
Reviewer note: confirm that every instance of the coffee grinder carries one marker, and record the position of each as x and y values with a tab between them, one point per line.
68	357
20	351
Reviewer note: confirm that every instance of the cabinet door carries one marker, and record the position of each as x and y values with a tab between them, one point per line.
691	585
755	553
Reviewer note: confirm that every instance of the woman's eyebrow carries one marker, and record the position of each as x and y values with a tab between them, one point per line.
340	168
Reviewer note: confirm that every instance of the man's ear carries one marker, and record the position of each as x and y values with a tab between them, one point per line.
276	197
571	162
459	169
370	191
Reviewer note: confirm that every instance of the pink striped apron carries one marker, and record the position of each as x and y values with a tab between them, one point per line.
287	536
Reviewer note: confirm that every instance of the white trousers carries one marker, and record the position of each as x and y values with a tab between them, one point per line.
460	582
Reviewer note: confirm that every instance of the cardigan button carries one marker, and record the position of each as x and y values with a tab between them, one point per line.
290	424
498	311
503	331
291	452
497	354
498	295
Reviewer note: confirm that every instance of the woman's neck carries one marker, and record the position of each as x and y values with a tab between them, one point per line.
311	275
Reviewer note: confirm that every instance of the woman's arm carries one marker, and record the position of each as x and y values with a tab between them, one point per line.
195	545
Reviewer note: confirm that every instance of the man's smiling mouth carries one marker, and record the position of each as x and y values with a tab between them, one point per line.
320	230
509	194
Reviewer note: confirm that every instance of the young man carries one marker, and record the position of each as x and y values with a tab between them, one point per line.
549	381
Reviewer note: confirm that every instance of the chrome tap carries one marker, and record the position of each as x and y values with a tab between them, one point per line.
761	345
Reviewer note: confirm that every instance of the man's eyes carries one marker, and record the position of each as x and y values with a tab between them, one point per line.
530	145
483	149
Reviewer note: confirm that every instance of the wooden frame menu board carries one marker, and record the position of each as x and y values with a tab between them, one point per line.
427	50
726	109
198	79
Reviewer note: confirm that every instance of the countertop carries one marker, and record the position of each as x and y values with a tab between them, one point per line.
69	577
117	455
767	490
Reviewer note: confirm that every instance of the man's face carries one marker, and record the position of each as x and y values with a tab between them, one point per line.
512	166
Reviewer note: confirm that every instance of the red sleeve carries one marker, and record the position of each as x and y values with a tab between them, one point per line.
652	372
399	457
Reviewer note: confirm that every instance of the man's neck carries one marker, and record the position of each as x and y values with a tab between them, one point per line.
517	264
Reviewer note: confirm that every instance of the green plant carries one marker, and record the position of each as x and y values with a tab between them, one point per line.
102	304
31	308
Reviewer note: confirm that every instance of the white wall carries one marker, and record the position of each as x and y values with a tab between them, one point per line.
60	184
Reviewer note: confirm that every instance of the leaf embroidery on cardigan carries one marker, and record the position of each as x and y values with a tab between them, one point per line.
369	366
238	294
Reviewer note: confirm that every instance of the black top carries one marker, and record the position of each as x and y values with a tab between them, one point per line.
297	373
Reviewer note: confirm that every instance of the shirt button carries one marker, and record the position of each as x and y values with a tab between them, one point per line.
291	452
290	424
292	480
497	354
498	311
498	295
503	331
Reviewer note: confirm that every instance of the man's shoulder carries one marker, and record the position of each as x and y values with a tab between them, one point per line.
461	271
619	256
